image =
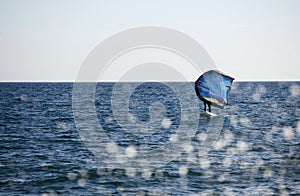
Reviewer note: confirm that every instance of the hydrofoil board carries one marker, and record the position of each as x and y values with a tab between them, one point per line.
209	114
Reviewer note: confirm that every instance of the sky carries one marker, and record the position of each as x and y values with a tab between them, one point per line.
252	40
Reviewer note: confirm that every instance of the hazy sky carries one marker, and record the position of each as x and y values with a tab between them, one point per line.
49	40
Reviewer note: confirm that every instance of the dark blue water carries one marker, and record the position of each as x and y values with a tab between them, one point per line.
256	151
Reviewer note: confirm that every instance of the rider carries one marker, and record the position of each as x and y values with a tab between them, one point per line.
208	103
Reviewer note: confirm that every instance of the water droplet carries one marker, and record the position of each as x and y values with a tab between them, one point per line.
159	173
183	170
191	158
146	173
130	151
62	126
156	191
231	151
188	148
23	97
219	144
288	133
245	121
72	176
173	138
227	162
242	146
111	147
259	162
256	96
202	137
228	191
81	182
130	172
83	173
298	127
204	163
101	172
233	120
269	137
166	123
294	90
141	193
268	173
120	189
228	137
221	178
261	89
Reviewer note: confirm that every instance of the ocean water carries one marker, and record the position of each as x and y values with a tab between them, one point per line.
148	139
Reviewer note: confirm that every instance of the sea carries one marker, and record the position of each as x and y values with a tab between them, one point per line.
148	138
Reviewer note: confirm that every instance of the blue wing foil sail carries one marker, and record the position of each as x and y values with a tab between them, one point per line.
214	86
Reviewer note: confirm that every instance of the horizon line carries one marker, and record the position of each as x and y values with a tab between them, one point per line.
72	81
